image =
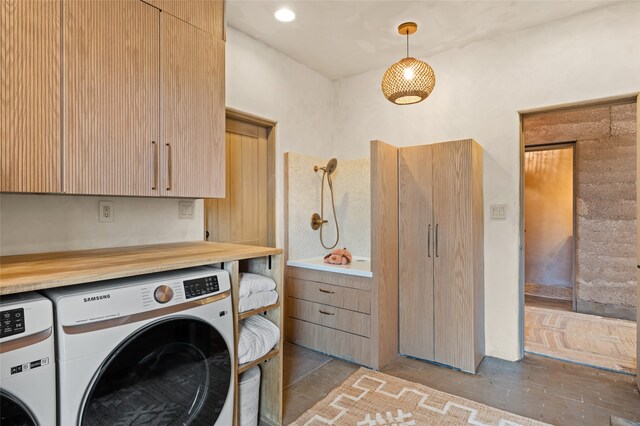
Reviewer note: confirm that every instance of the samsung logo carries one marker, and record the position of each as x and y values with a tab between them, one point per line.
95	298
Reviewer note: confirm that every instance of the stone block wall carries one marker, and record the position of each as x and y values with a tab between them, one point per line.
606	220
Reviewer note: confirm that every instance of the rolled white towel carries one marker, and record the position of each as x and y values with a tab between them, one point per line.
254	283
257	336
257	300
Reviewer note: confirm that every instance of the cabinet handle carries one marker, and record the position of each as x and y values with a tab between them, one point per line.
437	255
156	165
429	241
169	167
325	312
326	291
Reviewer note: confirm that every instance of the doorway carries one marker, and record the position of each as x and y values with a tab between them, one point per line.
579	216
549	225
247	213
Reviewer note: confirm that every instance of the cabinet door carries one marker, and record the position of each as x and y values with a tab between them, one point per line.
111	101
416	251
208	15
453	285
30	102
193	112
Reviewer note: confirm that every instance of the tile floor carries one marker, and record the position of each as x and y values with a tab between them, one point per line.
545	389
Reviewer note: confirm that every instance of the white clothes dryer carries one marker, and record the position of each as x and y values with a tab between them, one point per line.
148	350
27	356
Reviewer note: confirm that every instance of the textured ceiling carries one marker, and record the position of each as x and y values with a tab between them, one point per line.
344	38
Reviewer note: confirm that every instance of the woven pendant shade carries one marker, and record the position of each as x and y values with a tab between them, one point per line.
408	81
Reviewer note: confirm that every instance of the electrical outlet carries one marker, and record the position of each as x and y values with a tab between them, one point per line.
186	209
498	211
105	211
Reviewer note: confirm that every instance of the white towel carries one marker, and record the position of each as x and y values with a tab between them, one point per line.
254	283
257	336
257	300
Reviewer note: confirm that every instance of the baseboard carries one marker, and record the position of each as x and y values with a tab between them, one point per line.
548	291
605	310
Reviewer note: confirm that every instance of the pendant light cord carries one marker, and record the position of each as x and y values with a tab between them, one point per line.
407	44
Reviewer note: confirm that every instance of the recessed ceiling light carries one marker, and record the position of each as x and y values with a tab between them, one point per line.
285	15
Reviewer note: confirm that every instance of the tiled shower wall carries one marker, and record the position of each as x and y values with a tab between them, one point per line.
606	201
352	192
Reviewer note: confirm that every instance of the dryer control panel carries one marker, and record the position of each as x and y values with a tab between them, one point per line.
12	322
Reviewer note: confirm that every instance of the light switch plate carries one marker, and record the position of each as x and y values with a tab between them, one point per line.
186	209
498	211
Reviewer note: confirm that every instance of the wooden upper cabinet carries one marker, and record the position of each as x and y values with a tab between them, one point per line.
30	100
111	97
193	112
208	15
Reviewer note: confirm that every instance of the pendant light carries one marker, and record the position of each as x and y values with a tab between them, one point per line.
409	80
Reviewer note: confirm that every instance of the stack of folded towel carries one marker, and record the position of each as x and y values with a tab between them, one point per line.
256	337
256	291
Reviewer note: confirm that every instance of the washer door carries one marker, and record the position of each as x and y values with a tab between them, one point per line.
13	412
173	372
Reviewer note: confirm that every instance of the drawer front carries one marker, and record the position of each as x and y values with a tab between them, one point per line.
330	316
333	342
332	295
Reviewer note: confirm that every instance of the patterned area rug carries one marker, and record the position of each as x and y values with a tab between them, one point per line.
586	339
370	398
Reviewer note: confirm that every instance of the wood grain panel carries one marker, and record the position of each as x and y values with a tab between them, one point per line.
242	216
28	272
30	96
111	97
331	295
208	15
384	252
453	284
343	280
192	93
327	340
477	250
416	254
329	316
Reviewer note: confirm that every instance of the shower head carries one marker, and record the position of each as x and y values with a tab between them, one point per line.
329	168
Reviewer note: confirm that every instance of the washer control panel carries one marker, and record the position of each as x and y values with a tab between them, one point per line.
201	286
12	322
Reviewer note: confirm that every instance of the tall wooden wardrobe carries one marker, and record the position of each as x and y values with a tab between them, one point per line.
441	276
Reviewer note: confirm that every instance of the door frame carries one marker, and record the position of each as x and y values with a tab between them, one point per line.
270	125
634	97
574	228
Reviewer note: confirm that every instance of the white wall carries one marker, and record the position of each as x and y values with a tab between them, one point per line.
32	223
352	195
264	82
479	90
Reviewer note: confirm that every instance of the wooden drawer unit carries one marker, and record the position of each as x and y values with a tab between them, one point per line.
329	316
332	295
328	340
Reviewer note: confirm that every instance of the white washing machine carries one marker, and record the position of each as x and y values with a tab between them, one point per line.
27	356
148	350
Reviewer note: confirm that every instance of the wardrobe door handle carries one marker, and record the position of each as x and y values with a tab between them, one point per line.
169	167
156	165
429	241
437	255
326	291
325	312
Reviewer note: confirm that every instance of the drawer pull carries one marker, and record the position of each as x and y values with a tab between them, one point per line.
325	313
326	291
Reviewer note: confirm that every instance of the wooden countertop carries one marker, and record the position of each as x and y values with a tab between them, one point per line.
38	271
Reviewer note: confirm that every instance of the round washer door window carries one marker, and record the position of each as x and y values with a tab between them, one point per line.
13	412
174	372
